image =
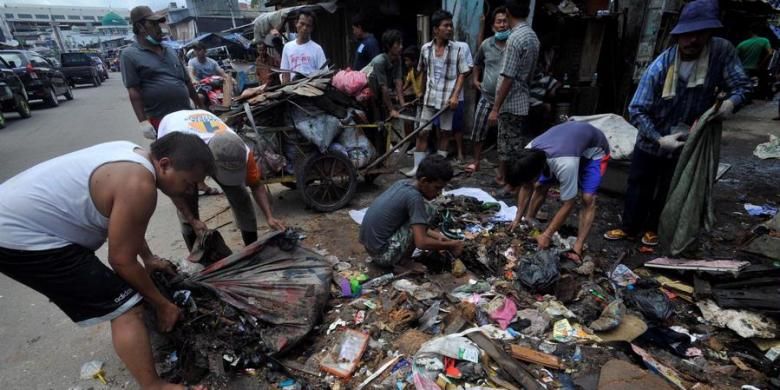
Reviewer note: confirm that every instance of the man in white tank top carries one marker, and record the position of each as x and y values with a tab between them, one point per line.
54	216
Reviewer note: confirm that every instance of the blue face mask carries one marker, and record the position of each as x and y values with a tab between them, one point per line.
502	35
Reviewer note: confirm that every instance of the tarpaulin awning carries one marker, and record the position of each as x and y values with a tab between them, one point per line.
221	39
271	20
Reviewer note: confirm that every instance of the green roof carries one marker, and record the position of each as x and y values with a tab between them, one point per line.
112	19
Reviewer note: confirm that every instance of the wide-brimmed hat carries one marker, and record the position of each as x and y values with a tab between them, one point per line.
698	15
142	12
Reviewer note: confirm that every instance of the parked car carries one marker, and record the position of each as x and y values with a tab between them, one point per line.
13	95
101	65
80	68
42	79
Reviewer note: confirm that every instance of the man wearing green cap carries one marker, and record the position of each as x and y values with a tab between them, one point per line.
677	88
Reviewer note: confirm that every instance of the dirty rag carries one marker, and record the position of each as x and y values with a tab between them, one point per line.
769	149
689	205
697	77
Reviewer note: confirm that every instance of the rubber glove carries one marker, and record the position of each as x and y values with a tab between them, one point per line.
147	130
726	110
671	142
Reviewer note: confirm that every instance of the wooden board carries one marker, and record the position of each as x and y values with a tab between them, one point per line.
533	356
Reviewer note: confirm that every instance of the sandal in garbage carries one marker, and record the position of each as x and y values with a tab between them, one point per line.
650	239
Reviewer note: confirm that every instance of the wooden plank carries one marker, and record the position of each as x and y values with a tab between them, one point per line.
591	50
518	371
533	356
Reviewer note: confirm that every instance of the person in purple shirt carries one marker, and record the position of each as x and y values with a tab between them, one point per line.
573	154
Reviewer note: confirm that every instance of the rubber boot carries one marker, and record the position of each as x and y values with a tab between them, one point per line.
418	157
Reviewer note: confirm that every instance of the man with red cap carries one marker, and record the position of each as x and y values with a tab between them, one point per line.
676	89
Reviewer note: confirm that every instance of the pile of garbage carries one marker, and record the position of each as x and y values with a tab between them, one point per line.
506	315
239	312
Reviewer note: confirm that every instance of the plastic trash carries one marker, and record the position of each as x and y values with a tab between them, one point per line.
539	322
623	276
343	358
453	346
480	286
429	318
379	281
650	301
539	271
93	370
502	310
421	293
610	317
760	210
350	81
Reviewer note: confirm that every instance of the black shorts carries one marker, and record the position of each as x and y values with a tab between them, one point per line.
74	279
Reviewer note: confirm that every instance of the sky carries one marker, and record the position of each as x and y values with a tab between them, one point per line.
155	4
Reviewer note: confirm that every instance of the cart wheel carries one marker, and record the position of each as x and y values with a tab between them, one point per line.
327	181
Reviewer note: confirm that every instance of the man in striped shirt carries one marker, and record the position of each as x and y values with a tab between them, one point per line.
443	65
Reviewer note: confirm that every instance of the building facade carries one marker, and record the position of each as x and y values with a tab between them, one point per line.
34	23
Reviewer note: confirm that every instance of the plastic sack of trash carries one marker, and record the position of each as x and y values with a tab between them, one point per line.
285	289
350	81
620	134
319	128
649	300
539	271
358	148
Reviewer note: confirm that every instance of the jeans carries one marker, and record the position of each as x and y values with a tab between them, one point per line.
649	179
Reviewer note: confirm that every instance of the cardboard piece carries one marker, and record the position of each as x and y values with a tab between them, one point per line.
698	265
630	328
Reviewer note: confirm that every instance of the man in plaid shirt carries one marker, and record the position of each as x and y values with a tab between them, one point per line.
510	110
677	88
443	66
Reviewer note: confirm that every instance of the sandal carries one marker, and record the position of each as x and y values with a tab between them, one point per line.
650	239
616	234
575	257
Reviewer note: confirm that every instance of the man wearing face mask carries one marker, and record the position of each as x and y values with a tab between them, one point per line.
677	88
487	64
156	80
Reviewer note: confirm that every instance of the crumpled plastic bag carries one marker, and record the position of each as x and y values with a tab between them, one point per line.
610	317
320	129
650	301
502	310
350	81
539	271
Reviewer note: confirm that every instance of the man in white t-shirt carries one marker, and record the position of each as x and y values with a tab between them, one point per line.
236	170
302	55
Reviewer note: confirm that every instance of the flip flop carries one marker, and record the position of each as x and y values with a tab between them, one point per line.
575	257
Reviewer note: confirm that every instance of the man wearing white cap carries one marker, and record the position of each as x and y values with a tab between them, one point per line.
236	169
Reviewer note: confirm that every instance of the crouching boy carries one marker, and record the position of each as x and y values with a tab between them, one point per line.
574	154
397	221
